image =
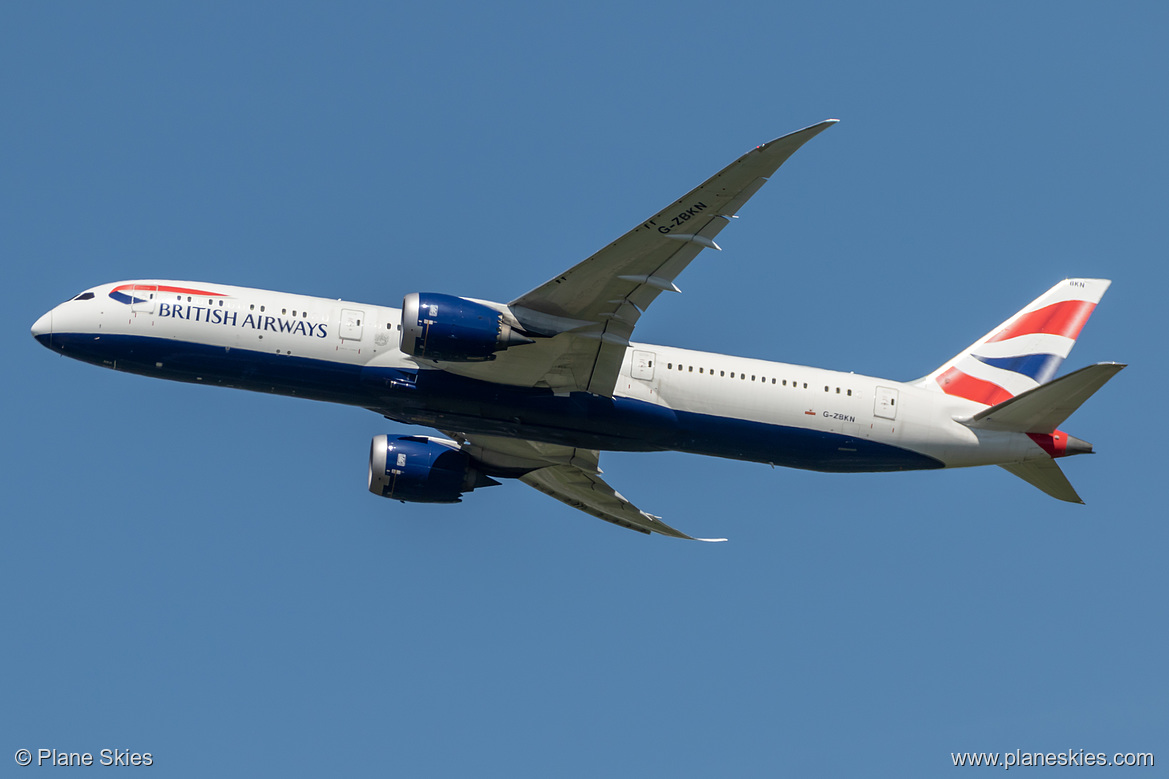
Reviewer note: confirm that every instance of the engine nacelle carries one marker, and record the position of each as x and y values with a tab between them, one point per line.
445	327
421	470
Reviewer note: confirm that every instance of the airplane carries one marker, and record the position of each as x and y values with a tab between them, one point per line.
536	388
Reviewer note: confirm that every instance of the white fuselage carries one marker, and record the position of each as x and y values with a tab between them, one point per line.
153	327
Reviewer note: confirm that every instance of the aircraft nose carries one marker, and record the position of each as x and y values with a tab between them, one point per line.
42	329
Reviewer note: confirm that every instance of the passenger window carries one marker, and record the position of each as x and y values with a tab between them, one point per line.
850	393
692	369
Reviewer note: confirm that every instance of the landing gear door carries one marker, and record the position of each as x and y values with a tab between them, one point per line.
885	403
643	365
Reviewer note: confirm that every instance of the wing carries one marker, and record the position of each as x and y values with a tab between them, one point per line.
593	307
570	475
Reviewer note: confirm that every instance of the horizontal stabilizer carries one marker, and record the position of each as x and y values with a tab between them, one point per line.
1047	476
1044	408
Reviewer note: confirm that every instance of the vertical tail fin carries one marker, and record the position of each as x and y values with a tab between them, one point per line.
1024	351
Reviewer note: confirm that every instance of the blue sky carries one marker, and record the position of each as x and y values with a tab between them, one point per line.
201	574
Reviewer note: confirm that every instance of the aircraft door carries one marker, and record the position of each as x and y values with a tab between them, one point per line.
142	299
352	323
643	365
641	383
885	403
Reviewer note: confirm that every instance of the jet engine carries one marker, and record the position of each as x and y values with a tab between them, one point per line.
444	327
422	470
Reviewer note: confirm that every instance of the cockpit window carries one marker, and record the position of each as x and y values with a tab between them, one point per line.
84	296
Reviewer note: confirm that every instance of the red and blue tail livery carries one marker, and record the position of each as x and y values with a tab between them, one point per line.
1024	351
536	388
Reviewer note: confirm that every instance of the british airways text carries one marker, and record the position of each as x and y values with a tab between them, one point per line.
217	316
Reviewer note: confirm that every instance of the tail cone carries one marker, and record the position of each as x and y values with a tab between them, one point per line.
1077	446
